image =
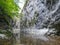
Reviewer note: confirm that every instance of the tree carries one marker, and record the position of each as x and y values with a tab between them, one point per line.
8	10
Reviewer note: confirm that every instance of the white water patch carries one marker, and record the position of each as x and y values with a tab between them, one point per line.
37	33
3	36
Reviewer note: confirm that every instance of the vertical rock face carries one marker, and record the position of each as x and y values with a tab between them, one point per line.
41	13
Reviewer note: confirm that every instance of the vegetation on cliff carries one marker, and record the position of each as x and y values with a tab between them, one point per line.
8	10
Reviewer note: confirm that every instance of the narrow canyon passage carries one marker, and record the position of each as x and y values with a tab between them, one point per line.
29	22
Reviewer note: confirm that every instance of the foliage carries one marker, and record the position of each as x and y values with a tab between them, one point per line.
8	10
8	33
8	7
26	3
51	3
25	23
57	28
